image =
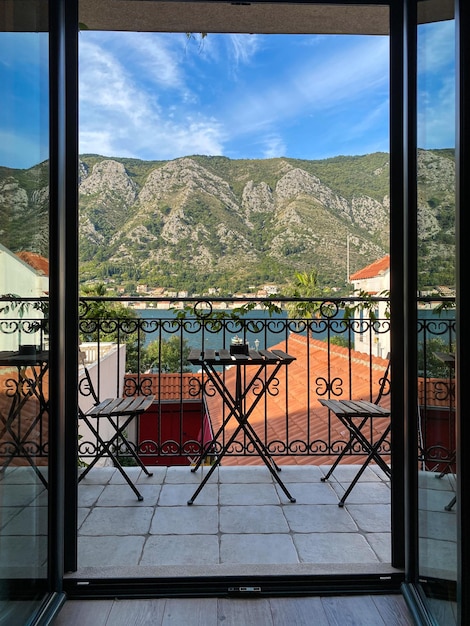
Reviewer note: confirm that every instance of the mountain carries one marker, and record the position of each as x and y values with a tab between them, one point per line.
198	222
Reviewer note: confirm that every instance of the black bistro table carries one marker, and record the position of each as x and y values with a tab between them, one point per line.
31	367
264	366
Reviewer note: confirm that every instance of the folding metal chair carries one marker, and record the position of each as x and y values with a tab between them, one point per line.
349	410
119	412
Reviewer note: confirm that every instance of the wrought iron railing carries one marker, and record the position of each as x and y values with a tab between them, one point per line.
341	351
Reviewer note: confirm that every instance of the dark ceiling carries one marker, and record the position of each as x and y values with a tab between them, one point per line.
220	17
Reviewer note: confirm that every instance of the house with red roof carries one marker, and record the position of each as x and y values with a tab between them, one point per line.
24	274
374	280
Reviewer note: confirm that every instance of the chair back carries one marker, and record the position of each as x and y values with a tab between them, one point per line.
85	386
384	383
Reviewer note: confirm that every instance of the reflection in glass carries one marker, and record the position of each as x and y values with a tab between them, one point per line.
24	340
436	338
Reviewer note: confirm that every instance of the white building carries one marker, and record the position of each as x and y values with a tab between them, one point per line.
28	278
375	281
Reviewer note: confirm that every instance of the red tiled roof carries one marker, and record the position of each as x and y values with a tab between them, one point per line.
308	419
374	269
36	261
170	386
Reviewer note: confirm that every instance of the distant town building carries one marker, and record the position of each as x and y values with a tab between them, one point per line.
25	274
271	290
374	279
158	291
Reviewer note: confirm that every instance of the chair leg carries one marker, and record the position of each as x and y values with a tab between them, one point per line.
105	448
345	450
451	504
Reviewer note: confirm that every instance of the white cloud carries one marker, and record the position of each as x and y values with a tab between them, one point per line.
318	84
373	117
272	146
436	118
436	83
156	96
20	150
436	46
344	77
243	48
120	113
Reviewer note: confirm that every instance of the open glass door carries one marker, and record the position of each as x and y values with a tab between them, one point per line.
24	288
437	479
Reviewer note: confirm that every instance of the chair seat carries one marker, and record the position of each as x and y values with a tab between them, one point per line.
115	407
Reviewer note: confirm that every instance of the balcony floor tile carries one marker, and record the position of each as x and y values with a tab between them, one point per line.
185	520
113	521
94	551
252	519
257	549
181	550
334	548
250	493
324	518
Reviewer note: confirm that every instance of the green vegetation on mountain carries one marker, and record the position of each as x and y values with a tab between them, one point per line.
208	222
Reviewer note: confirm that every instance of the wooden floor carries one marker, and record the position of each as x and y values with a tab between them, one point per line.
389	610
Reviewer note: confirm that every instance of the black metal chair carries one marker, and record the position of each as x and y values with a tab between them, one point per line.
119	413
346	412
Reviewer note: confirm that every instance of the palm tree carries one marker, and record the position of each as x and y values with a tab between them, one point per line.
306	285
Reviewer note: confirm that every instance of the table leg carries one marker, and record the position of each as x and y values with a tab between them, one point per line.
34	389
451	504
272	470
240	427
235	405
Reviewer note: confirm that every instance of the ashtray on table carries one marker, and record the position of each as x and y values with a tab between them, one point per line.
27	349
239	348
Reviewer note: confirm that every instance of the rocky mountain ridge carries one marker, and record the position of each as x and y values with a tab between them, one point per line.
198	222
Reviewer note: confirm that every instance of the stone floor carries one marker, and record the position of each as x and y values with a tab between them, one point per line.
241	518
240	523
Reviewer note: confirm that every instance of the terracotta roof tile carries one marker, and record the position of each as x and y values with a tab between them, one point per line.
171	386
374	269
308	419
36	261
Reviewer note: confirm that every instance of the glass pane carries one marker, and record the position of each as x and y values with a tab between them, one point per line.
24	288
436	316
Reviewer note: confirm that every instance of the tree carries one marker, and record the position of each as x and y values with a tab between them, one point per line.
306	285
167	355
110	321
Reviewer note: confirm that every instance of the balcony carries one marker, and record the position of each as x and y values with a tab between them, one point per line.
241	521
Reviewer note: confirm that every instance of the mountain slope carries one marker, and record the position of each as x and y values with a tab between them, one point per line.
198	222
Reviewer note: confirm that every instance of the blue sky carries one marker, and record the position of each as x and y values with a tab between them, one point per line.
160	96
